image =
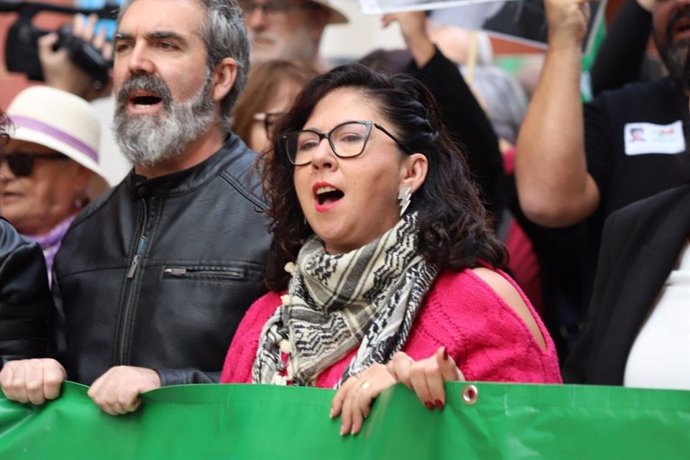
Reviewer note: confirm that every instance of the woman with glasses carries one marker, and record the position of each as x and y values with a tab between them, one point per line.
25	300
49	168
270	91
382	269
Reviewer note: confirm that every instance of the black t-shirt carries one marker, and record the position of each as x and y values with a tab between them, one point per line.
655	115
635	142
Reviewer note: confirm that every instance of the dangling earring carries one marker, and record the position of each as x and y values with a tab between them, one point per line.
404	195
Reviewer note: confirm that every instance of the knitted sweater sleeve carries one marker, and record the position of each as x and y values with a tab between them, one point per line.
485	336
239	360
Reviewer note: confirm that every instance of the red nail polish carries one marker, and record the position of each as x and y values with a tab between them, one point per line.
429	405
439	404
445	353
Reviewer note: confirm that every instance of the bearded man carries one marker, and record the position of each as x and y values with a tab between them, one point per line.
153	278
576	163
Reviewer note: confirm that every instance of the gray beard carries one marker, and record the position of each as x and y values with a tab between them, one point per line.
148	140
674	57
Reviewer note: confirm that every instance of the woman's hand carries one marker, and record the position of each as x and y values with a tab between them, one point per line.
353	400
426	377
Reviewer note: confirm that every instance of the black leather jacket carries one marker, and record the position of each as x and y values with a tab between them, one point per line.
158	273
25	301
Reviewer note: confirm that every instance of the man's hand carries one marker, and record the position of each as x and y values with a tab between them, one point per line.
567	21
117	391
354	398
32	380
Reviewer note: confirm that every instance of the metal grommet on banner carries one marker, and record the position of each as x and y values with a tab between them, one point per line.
470	394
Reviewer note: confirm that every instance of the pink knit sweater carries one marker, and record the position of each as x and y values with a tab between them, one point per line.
484	335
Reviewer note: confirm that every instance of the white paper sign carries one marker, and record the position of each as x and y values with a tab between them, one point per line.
519	20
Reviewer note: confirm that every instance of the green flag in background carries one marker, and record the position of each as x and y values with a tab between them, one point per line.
480	421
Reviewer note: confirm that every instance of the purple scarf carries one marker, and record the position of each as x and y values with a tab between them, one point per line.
50	243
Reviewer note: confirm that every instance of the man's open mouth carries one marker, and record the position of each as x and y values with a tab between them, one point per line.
143	100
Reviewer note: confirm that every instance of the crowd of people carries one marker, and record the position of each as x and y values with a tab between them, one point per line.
289	223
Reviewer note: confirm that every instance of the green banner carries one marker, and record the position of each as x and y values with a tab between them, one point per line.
480	421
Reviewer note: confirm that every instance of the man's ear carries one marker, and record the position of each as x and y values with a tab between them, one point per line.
224	75
414	171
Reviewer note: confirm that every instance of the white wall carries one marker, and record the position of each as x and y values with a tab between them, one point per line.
363	34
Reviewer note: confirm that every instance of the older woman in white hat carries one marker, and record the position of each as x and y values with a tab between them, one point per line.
25	300
49	169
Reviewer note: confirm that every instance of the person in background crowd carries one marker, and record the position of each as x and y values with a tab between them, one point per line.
622	57
462	114
50	167
498	91
271	89
25	301
638	332
289	29
153	278
577	164
589	167
61	72
382	268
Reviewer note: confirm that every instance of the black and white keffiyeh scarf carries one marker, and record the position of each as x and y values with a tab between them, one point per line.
367	298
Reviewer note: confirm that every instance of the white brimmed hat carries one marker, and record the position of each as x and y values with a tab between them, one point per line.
62	122
336	16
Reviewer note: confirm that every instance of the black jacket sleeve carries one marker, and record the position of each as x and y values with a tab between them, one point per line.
467	123
26	306
186	376
575	368
621	54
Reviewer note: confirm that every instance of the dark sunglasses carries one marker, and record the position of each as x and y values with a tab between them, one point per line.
21	164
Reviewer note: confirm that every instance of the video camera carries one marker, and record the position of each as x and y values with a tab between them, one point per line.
21	45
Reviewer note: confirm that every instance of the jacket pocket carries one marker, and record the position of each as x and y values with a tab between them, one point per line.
206	273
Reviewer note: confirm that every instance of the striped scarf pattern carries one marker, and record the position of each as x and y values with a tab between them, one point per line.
367	298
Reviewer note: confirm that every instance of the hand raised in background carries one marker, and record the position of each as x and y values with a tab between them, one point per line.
61	72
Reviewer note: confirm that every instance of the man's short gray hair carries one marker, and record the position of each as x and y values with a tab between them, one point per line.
225	35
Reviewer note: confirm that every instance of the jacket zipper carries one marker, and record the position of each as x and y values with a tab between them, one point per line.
128	307
182	272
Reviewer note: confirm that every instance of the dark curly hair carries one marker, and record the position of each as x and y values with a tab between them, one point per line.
453	228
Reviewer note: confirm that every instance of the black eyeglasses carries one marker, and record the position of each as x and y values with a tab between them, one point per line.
21	164
347	140
269	120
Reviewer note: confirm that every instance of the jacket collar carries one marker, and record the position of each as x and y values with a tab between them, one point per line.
648	271
183	181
